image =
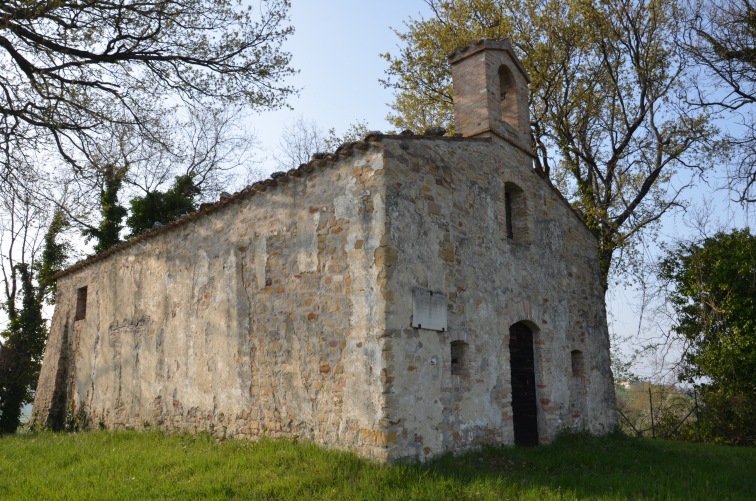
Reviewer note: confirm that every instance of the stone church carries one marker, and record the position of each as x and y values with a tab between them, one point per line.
403	297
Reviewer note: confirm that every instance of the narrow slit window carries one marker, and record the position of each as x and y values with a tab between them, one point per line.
508	213
81	304
458	358
577	364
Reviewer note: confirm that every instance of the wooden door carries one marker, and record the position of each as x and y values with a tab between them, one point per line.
522	363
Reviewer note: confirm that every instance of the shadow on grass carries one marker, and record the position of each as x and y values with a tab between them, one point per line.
149	465
614	466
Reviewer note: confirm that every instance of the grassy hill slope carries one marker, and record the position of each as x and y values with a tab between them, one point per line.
130	465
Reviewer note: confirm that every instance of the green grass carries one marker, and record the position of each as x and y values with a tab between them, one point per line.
129	465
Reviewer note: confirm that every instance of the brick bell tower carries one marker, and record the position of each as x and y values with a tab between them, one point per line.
490	89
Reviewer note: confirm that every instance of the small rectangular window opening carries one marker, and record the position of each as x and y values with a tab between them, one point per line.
577	363
81	304
458	358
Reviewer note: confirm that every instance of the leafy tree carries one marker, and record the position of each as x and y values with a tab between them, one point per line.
32	253
74	71
54	254
712	289
610	125
26	333
107	233
721	36
22	352
158	207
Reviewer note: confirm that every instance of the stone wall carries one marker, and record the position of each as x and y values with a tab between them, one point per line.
258	318
289	312
447	225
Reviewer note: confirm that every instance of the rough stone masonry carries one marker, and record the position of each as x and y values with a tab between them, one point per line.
402	297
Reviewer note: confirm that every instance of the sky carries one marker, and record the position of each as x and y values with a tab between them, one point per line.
336	47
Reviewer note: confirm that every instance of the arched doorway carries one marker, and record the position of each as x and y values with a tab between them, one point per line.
522	364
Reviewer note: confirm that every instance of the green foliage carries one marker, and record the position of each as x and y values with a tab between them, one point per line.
106	465
75	420
714	295
163	207
420	73
728	416
610	123
21	356
355	132
713	292
661	411
54	255
26	333
108	233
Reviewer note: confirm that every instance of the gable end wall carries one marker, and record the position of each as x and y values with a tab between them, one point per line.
446	212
